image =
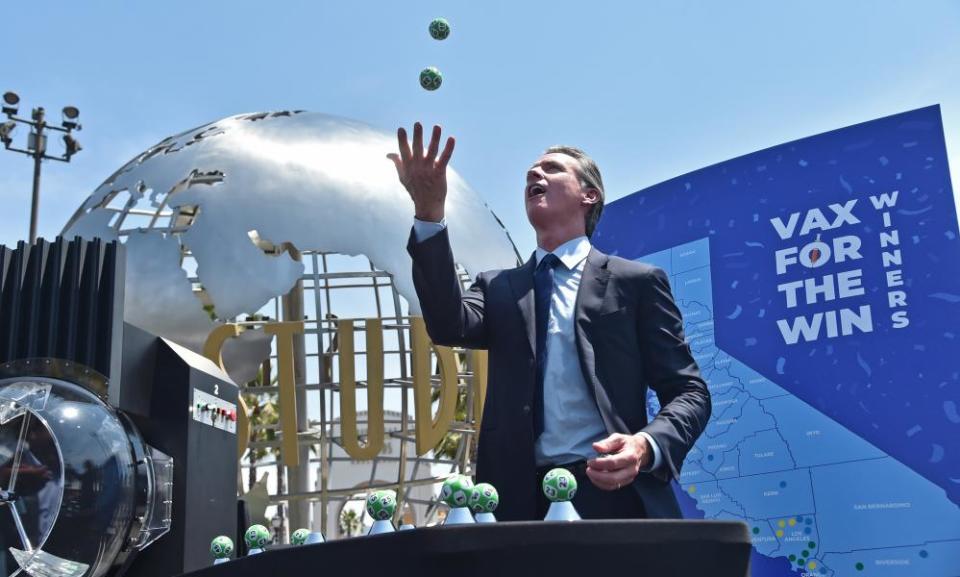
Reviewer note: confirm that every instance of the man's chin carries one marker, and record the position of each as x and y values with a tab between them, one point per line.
538	216
542	220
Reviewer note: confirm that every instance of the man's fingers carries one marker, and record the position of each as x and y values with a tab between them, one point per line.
446	154
611	478
611	444
417	141
610	481
403	144
434	143
614	462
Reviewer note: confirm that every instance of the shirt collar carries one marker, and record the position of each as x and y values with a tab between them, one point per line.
570	253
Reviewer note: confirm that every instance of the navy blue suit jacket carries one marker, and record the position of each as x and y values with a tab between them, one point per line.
629	336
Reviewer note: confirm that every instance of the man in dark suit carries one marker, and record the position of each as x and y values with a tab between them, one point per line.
574	336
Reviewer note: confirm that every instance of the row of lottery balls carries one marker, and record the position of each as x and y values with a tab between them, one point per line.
559	484
458	491
256	537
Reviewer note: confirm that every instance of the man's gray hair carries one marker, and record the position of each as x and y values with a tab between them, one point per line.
589	175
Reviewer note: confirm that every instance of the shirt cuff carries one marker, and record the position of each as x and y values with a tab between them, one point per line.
424	229
656	452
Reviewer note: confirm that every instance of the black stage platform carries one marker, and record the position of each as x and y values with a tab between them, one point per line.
582	548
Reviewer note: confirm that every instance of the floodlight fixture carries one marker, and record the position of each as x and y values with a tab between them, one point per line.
11	103
37	149
70	115
72	145
5	129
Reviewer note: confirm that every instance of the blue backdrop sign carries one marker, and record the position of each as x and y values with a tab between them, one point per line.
820	286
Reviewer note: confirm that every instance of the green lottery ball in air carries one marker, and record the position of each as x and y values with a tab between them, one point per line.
430	78
381	505
221	547
484	498
439	29
299	536
456	491
257	537
559	485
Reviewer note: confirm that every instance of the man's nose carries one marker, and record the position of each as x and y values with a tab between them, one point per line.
534	175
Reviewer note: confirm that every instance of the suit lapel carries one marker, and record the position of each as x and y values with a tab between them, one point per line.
590	298
521	283
593	286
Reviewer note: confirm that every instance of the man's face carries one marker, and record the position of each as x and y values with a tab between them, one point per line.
553	192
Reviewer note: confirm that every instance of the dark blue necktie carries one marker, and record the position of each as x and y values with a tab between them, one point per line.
542	290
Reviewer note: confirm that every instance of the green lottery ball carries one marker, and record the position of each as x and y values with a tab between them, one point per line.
381	505
559	485
456	491
299	536
257	537
439	29
484	498
221	547
430	78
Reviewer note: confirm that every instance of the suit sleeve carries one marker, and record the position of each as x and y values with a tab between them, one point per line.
453	318
673	375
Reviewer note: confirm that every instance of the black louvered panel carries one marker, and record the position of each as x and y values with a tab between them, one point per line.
5	259
50	299
106	293
5	255
10	305
87	327
62	300
69	302
29	330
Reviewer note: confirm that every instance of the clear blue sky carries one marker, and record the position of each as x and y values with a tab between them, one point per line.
651	89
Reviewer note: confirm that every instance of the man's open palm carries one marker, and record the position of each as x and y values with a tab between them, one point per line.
424	175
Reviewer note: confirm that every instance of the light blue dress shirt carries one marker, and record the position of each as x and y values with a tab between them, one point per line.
571	420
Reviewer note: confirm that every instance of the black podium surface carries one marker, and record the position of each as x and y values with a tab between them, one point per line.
638	548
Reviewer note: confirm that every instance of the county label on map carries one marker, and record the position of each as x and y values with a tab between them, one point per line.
817	497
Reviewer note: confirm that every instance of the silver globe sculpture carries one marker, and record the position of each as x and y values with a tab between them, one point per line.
292	215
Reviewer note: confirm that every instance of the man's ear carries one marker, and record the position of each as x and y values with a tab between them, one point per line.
590	196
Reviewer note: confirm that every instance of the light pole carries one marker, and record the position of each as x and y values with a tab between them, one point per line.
37	142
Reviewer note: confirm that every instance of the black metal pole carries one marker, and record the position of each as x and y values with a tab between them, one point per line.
38	151
35	204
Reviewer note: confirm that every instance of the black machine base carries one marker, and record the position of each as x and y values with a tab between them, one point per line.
661	548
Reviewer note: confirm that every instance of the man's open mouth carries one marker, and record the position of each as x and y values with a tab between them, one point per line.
535	189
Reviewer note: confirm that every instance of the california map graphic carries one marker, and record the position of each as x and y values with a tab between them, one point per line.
817	497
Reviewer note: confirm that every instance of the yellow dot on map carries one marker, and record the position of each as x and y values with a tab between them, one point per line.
793	522
781	523
692	489
812	565
779	532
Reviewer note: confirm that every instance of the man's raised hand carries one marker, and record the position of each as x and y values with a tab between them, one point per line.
424	175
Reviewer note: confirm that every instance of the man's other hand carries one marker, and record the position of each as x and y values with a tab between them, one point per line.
424	174
623	457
